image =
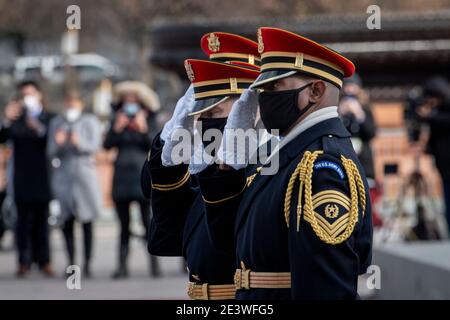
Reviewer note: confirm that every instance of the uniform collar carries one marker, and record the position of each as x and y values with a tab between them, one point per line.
301	141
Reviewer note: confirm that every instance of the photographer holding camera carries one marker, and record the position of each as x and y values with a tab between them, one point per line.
435	111
358	119
25	125
355	113
131	134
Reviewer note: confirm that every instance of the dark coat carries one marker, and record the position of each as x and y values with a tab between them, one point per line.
31	168
438	144
132	147
262	240
364	131
178	226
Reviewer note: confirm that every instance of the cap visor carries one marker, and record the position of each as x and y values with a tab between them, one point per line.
206	104
269	76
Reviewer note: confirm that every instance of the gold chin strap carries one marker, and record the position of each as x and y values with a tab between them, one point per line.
304	172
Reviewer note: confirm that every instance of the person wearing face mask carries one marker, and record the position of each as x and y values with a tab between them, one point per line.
178	226
356	115
131	134
303	232
74	138
25	125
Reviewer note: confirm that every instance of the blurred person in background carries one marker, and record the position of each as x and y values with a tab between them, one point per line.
355	113
2	223
435	111
357	117
131	133
25	125
3	187
74	137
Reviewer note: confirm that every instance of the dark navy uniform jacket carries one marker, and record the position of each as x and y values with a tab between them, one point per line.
262	240
178	226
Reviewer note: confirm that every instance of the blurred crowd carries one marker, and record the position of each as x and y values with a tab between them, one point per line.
52	158
427	121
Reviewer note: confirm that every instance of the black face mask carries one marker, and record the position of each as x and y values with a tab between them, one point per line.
212	123
279	109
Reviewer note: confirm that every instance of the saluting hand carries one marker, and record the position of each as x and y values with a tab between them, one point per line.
180	117
242	116
181	120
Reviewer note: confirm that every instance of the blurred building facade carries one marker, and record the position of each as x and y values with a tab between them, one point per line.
150	39
409	47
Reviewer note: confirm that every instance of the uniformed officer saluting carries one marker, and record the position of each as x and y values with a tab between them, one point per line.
178	227
304	232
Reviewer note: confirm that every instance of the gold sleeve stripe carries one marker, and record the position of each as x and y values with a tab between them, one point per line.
330	229
341	228
225	199
346	205
330	193
331	197
173	186
334	226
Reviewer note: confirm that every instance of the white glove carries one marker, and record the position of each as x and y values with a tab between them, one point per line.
243	112
233	150
181	111
178	126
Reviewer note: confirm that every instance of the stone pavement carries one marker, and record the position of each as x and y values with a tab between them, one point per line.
171	285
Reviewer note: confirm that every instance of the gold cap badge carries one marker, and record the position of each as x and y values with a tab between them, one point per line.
260	42
189	71
213	42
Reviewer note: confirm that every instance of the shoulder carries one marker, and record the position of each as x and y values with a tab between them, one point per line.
331	190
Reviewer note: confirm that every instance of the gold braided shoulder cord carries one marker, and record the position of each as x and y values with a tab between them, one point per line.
304	172
361	188
300	171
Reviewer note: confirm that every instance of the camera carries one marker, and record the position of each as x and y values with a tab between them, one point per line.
131	109
414	99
